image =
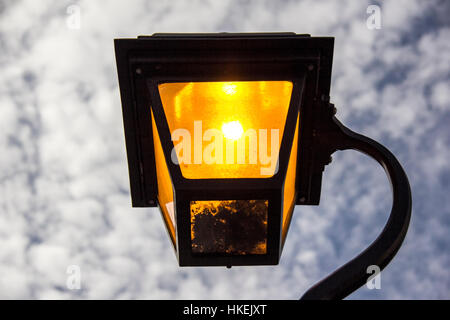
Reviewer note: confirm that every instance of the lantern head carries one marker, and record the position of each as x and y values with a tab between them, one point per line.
220	133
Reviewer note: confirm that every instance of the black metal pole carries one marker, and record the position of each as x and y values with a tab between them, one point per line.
352	275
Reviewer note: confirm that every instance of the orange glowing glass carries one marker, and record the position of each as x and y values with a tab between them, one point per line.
226	129
289	194
165	187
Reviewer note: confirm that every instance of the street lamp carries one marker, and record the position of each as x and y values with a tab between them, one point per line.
226	133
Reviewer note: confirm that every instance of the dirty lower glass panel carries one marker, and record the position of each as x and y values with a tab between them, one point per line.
235	227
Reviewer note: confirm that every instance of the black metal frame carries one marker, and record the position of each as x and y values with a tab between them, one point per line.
145	62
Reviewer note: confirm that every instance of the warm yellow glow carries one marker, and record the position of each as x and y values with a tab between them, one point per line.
229	88
165	188
226	129
232	130
289	185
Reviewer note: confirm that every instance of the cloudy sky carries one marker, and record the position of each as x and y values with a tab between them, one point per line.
64	190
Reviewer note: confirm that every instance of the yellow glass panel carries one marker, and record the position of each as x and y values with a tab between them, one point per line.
226	129
165	187
235	227
289	185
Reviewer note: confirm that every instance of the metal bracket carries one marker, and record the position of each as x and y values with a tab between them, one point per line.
324	141
348	278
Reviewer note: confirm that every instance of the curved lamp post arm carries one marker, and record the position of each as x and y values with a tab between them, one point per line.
353	274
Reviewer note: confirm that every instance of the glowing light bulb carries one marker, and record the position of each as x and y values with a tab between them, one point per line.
232	130
229	88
